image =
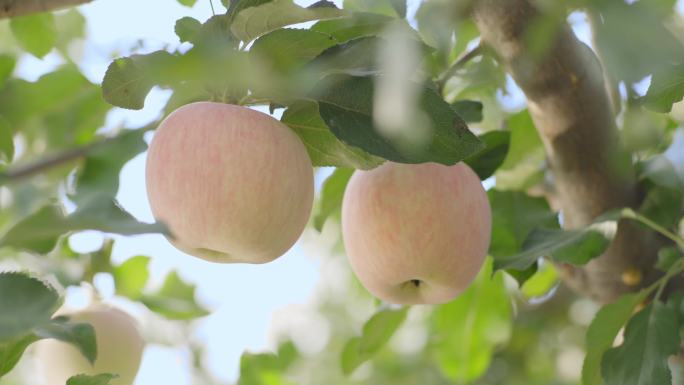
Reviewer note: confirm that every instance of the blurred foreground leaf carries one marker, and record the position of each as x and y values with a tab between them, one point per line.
175	300
651	336
602	332
40	231
331	196
99	379
468	329
376	333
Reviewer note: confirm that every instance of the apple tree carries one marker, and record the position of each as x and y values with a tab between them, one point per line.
570	112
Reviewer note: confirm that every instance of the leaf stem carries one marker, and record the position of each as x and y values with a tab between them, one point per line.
675	269
463	60
25	171
631	214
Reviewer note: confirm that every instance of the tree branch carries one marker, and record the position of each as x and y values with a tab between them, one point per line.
13	8
572	111
28	170
458	64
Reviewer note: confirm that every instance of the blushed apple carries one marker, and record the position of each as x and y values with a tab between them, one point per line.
233	184
416	233
119	349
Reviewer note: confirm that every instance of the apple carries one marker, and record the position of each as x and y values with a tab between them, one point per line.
416	233
119	349
231	183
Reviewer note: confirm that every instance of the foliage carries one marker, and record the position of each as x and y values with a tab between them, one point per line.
60	164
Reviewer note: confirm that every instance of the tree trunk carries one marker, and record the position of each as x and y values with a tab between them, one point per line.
571	109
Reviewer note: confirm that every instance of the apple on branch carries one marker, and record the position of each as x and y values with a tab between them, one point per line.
233	184
416	233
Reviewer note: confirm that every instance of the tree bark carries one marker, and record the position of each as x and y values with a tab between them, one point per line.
571	109
13	8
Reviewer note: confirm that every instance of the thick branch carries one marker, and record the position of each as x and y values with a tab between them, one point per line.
12	8
573	114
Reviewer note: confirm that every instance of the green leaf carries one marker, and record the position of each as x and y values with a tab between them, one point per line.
522	276
667	256
660	170
106	215
289	49
70	25
525	158
571	246
252	22
469	110
7	64
438	23
514	216
131	276
602	332
187	3
625	38
62	107
376	333
99	379
384	7
346	105
25	302
99	174
12	350
175	300
323	147
667	88
662	205
331	196
651	336
354	27
355	57
187	29
351	359
467	330
35	33
6	141
266	368
81	335
128	79
399	7
485	162
541	283
40	231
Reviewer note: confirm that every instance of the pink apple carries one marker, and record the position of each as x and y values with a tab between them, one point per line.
416	233
233	184
119	349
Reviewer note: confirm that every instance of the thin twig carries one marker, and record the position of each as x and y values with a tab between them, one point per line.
463	60
20	172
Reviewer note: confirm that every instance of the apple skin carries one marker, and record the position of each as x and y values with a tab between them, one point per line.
119	349
233	184
416	233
